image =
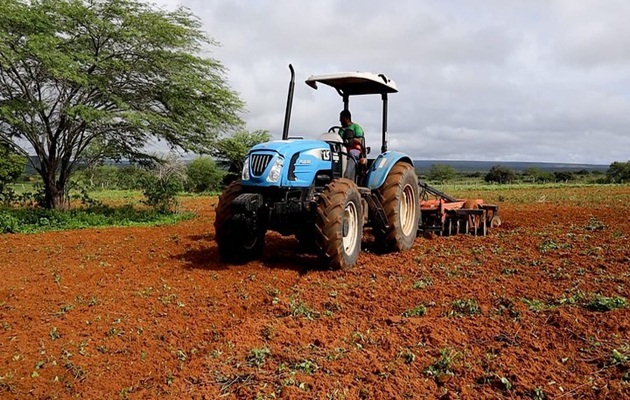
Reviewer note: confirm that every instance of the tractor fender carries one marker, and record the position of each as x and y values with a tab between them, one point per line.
380	168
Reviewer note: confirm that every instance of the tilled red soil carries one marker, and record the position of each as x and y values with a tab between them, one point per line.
151	312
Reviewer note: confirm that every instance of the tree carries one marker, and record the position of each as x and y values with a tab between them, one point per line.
563	176
500	174
538	175
233	149
203	175
130	177
12	165
619	172
441	172
118	72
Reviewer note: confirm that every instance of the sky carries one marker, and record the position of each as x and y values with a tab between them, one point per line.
491	80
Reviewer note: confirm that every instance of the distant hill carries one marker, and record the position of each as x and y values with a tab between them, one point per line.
517	166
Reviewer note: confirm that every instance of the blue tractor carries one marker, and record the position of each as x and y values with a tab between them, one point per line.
301	187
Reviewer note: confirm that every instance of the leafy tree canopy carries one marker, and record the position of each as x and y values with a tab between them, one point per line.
500	174
563	176
619	172
441	172
538	175
118	72
12	165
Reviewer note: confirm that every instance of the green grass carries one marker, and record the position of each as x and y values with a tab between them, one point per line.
115	194
22	187
41	220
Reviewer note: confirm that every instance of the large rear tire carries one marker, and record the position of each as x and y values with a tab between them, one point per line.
238	241
399	196
339	224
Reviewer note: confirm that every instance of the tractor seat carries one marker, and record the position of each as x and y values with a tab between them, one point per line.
330	137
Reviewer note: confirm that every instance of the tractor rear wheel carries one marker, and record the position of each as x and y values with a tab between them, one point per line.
401	204
339	224
238	236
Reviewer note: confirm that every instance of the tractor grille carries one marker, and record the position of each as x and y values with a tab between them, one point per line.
259	162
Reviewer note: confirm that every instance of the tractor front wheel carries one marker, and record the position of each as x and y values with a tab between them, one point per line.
240	237
399	196
339	224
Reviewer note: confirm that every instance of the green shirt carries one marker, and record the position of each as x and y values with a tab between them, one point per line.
358	131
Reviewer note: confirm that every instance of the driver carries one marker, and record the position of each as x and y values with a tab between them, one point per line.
352	135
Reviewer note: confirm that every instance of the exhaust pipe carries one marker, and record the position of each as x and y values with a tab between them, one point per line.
287	112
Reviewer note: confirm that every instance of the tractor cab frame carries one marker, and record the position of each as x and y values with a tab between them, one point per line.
349	84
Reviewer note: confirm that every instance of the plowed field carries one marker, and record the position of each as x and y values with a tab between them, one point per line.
536	309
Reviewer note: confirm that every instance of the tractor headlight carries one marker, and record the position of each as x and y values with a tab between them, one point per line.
276	169
245	174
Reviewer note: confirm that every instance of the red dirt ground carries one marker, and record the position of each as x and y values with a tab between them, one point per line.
151	312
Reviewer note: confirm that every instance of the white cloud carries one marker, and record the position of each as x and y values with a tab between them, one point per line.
479	80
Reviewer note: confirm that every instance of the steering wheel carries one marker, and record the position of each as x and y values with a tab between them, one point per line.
335	128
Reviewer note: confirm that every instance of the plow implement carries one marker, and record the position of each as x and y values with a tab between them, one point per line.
446	215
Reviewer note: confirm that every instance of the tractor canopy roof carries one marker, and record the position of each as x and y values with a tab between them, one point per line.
355	83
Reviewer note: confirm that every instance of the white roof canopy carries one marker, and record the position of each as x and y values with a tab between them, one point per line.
355	83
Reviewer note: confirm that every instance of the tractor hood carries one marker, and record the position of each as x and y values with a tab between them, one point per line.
286	147
286	163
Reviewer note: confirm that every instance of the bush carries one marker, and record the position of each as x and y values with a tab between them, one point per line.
8	223
161	192
203	175
162	184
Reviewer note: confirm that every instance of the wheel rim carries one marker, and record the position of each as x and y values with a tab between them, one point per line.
351	221
408	211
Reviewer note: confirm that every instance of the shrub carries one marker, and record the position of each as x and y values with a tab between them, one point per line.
161	192
203	175
8	223
162	184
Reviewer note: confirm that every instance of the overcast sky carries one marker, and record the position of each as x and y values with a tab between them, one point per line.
487	80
